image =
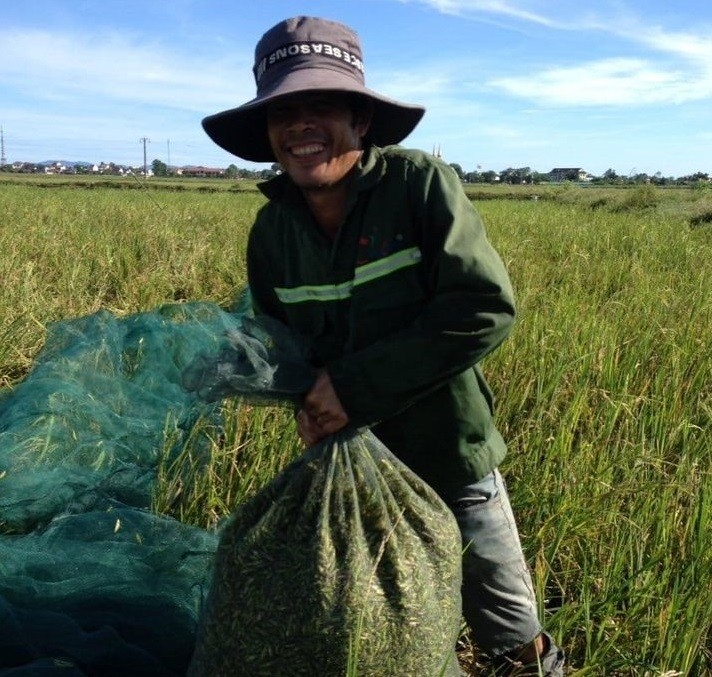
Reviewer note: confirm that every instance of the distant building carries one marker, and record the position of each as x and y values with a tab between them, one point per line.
200	171
568	174
58	168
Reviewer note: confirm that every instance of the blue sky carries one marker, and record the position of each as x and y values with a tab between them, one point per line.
617	84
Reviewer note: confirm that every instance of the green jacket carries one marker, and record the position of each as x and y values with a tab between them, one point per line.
399	308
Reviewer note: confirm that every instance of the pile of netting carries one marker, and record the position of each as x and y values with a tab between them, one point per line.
93	582
90	578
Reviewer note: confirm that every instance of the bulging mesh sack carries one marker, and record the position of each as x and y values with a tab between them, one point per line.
346	564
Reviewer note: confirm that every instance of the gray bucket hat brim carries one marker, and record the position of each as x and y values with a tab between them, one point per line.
312	55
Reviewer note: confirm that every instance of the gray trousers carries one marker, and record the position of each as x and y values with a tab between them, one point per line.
498	598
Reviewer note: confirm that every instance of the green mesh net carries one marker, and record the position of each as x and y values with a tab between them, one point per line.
92	581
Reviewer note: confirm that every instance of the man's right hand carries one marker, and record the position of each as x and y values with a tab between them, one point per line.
323	413
308	429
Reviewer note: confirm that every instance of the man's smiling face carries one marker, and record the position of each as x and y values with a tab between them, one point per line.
316	137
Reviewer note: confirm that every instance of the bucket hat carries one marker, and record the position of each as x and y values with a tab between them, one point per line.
304	54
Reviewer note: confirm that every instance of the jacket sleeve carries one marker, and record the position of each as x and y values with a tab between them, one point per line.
468	312
259	269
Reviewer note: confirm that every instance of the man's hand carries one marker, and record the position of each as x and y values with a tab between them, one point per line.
322	414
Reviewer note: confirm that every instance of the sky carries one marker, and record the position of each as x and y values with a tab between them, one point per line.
612	84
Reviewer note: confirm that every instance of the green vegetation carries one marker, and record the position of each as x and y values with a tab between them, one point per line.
604	389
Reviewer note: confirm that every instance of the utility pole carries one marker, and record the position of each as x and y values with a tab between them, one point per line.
168	156
3	161
144	140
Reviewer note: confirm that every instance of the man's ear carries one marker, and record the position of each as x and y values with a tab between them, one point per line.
363	114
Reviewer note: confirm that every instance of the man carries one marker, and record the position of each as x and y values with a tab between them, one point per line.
377	257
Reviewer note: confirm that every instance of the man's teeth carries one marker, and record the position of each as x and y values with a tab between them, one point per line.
307	150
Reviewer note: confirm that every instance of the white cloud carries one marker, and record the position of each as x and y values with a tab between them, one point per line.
92	96
671	67
43	64
464	7
566	16
695	47
616	82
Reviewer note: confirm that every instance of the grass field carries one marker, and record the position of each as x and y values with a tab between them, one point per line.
604	390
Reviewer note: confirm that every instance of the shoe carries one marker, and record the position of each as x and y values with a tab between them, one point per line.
550	664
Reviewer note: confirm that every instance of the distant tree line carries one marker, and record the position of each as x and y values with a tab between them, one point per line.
525	175
510	175
160	168
611	177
